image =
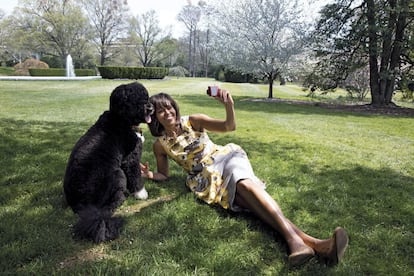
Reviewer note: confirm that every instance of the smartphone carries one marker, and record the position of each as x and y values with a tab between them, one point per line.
213	91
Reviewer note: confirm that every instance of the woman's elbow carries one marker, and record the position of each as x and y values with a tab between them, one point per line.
231	127
159	177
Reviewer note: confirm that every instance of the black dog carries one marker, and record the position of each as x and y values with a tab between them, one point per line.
105	164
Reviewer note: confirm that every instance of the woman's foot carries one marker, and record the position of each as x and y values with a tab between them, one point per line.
300	257
341	243
334	253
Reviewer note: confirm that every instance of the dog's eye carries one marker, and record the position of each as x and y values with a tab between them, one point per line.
149	108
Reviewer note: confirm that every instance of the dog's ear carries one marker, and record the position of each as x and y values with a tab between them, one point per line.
118	99
128	100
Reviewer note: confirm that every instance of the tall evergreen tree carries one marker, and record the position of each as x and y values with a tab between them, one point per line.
352	34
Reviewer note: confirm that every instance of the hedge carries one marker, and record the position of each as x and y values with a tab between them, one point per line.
122	72
60	72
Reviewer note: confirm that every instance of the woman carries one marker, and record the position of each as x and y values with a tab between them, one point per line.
223	174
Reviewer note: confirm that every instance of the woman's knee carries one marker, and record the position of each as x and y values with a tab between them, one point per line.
245	185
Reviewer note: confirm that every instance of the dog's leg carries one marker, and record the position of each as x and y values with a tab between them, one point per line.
142	194
131	167
115	190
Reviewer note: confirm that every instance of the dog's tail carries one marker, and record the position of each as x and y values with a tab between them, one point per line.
97	225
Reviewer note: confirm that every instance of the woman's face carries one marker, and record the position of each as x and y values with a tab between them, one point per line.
166	115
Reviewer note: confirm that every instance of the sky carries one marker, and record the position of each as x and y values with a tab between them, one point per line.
167	11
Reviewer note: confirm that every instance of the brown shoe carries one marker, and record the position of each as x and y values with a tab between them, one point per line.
339	243
300	257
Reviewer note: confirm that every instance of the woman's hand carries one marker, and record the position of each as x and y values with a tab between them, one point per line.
201	121
227	100
225	97
145	172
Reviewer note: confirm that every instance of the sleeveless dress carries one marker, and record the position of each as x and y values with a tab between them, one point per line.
213	170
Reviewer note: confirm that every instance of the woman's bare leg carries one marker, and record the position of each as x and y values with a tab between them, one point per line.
256	199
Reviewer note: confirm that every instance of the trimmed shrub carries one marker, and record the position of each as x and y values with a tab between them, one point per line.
178	71
60	72
238	77
118	72
227	75
51	72
7	71
85	72
22	69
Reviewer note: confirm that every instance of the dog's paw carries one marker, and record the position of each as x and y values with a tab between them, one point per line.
142	194
140	136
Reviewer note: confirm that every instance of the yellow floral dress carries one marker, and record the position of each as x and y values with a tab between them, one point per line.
213	170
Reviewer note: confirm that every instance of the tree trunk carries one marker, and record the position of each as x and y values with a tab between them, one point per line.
383	76
373	54
103	55
270	78
190	59
207	49
400	26
194	67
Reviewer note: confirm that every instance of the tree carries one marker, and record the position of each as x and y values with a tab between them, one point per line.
357	83
190	15
204	37
3	33
168	52
57	26
151	43
406	84
15	41
258	37
109	20
352	33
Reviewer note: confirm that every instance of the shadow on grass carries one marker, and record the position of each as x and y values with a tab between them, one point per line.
182	235
374	205
35	229
34	224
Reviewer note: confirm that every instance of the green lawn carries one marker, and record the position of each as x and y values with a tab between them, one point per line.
326	168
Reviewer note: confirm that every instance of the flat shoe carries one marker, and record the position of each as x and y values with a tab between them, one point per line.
341	243
300	257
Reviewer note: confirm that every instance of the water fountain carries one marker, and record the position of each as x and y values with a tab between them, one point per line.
70	70
70	74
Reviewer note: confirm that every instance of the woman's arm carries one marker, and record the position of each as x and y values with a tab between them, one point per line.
162	164
202	121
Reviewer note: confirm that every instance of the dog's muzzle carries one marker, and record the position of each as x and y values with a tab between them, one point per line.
149	110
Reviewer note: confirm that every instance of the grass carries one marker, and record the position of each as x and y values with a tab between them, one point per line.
326	168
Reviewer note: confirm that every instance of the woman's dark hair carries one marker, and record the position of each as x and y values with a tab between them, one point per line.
161	101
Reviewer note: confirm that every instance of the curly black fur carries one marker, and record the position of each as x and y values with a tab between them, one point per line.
104	165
